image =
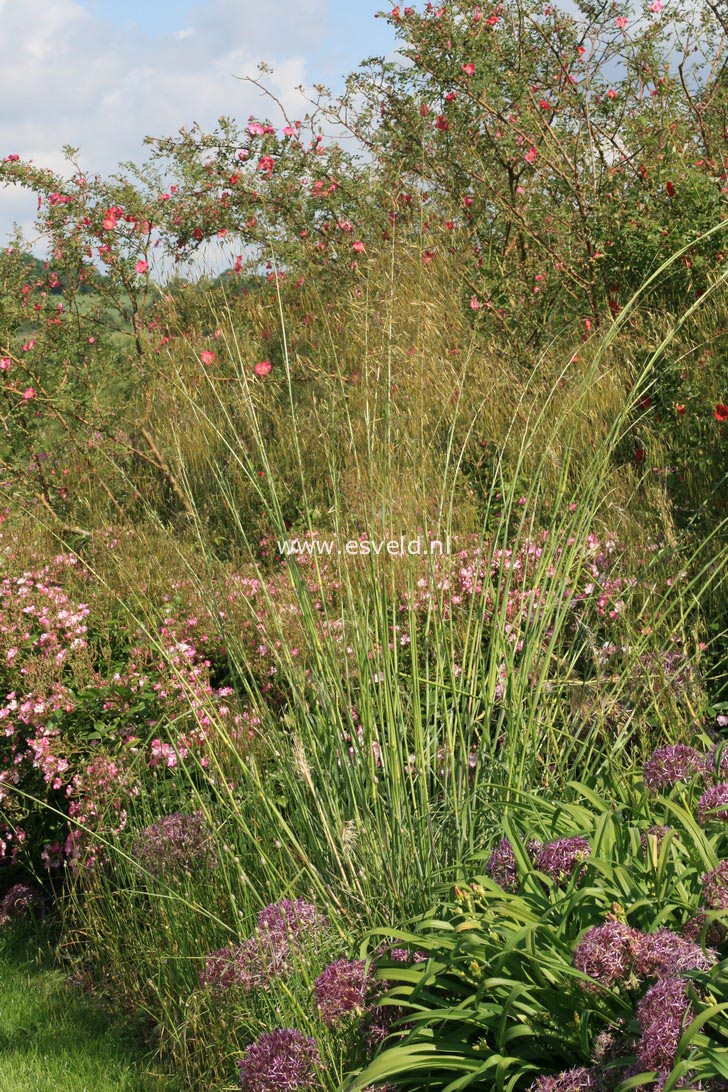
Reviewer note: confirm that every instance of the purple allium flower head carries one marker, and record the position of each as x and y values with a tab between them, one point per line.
250	965
501	866
698	929
342	989
668	765
378	1022
663	1013
22	898
264	956
281	929
560	859
713	804
664	954
718	761
219	971
607	953
176	843
405	955
284	1060
715	887
658	833
290	917
571	1080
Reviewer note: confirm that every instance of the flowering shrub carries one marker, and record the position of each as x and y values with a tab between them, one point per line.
613	964
82	735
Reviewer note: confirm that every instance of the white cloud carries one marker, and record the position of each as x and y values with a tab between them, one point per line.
70	78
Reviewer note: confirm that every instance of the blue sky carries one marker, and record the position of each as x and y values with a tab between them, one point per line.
99	75
352	32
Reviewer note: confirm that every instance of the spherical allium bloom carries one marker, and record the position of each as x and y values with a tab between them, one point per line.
220	969
342	989
284	1060
657	833
560	859
22	898
501	866
378	1022
404	955
283	927
668	765
262	957
713	804
698	929
250	965
291	917
663	1014
571	1080
718	761
715	887
607	953
664	954
176	843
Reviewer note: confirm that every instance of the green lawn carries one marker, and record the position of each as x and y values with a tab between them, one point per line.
53	1037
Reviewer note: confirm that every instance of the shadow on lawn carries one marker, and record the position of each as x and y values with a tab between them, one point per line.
52	1036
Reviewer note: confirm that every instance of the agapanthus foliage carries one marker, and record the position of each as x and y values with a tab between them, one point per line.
519	969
